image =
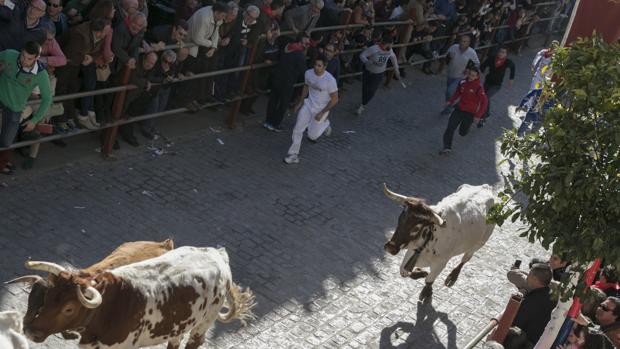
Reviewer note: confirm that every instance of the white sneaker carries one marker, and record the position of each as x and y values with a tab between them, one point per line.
328	131
84	121
360	109
445	151
93	118
291	159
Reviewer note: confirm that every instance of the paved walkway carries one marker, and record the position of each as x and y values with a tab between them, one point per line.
306	238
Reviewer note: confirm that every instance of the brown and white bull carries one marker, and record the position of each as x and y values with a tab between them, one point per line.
126	253
141	304
434	234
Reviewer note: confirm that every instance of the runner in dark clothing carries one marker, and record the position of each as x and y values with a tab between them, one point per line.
497	70
290	68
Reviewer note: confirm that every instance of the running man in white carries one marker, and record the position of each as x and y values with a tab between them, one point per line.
322	91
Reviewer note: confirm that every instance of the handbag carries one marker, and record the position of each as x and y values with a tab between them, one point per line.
45	128
103	73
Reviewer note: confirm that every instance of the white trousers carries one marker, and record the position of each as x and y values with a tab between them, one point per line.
305	120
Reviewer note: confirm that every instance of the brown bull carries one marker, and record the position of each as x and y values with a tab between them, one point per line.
127	253
155	301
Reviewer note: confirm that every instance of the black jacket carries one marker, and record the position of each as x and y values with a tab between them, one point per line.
290	68
496	75
161	33
125	46
534	313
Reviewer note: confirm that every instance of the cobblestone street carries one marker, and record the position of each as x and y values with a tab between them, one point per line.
307	238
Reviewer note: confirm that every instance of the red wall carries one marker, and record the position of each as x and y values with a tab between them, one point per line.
600	15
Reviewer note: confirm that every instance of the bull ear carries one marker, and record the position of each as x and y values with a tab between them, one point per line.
438	220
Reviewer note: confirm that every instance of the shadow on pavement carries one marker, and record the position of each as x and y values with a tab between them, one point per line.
406	335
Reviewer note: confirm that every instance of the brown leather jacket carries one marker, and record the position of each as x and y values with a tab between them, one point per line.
78	42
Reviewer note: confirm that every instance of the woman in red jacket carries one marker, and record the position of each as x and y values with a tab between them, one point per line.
472	104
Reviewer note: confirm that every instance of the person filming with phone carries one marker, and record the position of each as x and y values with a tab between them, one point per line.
558	266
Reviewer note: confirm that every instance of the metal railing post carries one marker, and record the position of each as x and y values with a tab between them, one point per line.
481	334
506	319
117	112
232	115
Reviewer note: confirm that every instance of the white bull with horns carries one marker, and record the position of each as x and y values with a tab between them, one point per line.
434	234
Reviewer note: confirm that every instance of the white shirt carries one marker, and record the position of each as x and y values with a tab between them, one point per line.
320	88
203	30
375	59
542	69
458	60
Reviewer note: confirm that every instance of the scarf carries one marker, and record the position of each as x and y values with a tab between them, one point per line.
499	62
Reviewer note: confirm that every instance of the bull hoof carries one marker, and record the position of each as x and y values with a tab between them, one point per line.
426	295
451	279
418	274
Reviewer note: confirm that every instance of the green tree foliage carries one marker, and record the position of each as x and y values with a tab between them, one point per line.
572	178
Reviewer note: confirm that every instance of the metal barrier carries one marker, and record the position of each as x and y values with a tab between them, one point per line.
503	322
485	331
247	69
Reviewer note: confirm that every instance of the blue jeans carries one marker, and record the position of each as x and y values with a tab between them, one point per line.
89	83
531	118
10	126
451	85
156	105
490	91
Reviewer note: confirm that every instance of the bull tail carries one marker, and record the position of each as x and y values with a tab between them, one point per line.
239	303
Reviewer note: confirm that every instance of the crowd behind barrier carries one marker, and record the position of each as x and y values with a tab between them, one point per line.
113	66
595	324
118	63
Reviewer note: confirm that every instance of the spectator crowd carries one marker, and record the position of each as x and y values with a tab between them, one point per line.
596	327
86	45
58	47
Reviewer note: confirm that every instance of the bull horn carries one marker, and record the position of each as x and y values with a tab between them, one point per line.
91	298
28	279
51	268
393	196
438	219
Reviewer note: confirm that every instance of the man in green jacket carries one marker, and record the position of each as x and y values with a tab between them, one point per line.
20	73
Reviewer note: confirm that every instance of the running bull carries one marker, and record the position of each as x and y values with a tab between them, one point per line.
127	253
434	234
147	303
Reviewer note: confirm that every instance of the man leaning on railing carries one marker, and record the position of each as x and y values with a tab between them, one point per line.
20	74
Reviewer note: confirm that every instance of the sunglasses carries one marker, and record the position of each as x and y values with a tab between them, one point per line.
604	307
54	5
